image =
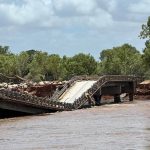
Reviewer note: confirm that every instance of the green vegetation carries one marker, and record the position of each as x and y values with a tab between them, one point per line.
145	34
38	65
122	60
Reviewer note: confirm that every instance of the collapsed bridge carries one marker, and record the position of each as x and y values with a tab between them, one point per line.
75	94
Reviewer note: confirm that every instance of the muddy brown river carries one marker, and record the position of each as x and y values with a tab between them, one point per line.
123	126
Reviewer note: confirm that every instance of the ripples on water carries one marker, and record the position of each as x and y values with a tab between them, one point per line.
109	127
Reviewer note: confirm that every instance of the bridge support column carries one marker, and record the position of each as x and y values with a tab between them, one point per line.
97	99
117	98
91	101
131	96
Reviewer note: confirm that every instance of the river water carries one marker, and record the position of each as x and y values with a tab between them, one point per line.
123	126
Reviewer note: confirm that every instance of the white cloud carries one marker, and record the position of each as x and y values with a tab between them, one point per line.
55	24
28	12
78	6
100	20
111	4
50	13
140	7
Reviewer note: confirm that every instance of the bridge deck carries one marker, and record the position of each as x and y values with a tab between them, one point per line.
76	91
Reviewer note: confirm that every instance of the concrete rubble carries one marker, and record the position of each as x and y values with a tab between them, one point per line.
41	89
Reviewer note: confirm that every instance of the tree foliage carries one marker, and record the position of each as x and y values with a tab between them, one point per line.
145	34
22	64
38	65
8	65
122	60
54	67
80	64
4	50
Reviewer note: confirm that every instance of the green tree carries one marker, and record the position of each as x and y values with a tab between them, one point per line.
8	65
54	67
37	68
81	64
145	34
123	60
23	61
7	61
4	50
146	55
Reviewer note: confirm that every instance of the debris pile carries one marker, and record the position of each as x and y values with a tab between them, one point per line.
41	89
143	90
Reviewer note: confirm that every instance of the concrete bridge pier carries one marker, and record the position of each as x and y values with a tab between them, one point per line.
117	98
131	96
97	99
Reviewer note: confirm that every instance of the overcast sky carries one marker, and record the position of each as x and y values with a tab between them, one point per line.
67	27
